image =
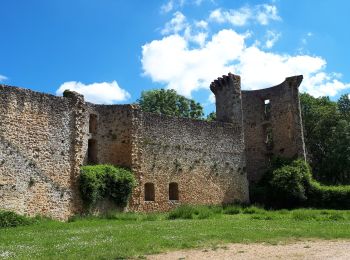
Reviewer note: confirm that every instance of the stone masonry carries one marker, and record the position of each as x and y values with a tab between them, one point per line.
45	139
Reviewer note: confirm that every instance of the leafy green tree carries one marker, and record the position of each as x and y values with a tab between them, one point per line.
168	102
327	139
344	106
211	116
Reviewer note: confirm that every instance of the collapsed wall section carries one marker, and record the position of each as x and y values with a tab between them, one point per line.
179	160
109	138
40	152
272	125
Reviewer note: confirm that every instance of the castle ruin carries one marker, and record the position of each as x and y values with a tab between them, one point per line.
45	139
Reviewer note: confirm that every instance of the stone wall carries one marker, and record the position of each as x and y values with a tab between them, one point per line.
205	159
40	152
44	140
111	134
272	125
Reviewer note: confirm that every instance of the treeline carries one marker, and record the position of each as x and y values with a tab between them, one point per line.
327	137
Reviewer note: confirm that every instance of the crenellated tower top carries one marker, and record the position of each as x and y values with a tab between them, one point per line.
227	90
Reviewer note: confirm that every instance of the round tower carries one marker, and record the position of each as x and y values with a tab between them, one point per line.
227	91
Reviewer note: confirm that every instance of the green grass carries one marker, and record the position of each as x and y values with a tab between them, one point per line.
121	235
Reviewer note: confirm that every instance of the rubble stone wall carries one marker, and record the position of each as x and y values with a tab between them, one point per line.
45	139
112	134
279	120
205	159
40	152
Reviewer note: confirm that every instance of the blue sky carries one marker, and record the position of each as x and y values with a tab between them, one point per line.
111	50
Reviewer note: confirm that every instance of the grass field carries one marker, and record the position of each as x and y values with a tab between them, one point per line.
122	235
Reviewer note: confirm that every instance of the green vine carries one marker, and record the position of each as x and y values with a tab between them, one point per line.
98	182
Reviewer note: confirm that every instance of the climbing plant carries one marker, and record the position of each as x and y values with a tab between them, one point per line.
98	182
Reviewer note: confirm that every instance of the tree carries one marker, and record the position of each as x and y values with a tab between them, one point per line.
327	139
168	102
211	117
344	106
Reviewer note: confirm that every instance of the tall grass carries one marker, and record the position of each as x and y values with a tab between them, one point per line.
132	235
11	219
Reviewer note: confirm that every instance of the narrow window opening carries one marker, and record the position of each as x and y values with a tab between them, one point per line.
268	138
267	109
92	151
93	124
173	191
149	191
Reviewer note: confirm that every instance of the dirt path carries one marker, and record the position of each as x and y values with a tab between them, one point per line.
326	249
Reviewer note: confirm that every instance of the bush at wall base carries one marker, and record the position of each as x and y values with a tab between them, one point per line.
291	185
98	182
11	219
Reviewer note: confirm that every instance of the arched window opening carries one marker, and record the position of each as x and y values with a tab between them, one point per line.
149	191
173	191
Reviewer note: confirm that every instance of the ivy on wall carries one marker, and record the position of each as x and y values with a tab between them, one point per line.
98	182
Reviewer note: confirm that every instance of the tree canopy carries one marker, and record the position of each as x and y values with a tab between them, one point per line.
168	102
327	137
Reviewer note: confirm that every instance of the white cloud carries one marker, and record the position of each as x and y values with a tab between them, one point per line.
176	24
172	62
271	38
167	7
201	24
265	13
98	93
195	33
261	14
238	17
3	78
217	16
171	5
189	56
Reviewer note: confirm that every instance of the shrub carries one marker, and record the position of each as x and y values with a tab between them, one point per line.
203	212
334	197
106	181
193	212
253	210
287	184
182	212
291	185
11	219
232	210
304	214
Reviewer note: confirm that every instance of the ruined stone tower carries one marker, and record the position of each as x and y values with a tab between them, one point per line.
227	90
270	120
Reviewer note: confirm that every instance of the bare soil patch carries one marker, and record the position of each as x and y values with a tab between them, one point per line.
320	249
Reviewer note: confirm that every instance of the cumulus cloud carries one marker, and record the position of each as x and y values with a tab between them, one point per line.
176	24
261	69
261	14
189	56
201	24
266	13
271	38
172	5
98	93
2	78
171	61
167	7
